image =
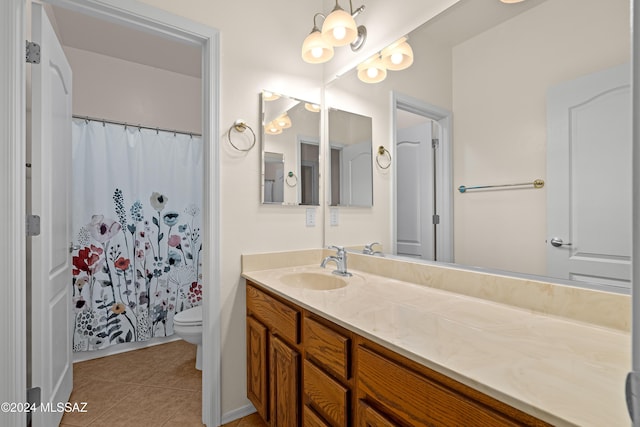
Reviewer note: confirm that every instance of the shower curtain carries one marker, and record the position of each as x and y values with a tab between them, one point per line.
137	204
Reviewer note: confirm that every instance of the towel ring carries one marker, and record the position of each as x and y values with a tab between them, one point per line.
383	152
291	182
240	126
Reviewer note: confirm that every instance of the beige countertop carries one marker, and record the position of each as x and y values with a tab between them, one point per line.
563	371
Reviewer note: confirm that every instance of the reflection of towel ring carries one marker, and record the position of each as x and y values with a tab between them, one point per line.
291	179
383	152
240	126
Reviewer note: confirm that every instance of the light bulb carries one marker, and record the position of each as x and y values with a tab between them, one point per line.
372	72
339	33
396	58
316	52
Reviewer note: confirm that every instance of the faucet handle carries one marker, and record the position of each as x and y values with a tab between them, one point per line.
340	249
371	245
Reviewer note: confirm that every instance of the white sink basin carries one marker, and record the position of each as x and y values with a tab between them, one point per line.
313	281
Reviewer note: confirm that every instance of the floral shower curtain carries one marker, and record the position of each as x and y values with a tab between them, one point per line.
137	204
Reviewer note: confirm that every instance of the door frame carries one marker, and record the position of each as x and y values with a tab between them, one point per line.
444	170
13	26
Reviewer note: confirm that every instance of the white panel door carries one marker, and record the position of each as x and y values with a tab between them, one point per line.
51	313
356	174
589	178
415	231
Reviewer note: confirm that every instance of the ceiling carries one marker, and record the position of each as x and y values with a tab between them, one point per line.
88	33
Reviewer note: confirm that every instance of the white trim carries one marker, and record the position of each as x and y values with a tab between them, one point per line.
12	193
444	170
635	251
240	412
13	355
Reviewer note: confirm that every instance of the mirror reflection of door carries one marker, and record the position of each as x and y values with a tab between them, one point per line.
309	173
415	186
351	161
589	214
273	177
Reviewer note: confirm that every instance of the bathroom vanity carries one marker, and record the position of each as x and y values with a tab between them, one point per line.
375	350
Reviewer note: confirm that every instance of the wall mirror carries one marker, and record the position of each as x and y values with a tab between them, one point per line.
290	150
350	162
537	90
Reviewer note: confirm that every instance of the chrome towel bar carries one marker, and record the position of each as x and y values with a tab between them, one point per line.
538	183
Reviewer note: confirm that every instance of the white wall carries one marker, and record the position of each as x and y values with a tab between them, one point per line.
260	49
114	89
500	81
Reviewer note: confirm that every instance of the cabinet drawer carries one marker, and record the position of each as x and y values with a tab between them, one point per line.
328	397
310	419
369	417
327	347
415	398
280	318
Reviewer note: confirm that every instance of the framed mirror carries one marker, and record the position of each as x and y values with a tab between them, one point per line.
506	72
290	150
350	161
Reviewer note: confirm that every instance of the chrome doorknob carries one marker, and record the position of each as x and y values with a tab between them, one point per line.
557	242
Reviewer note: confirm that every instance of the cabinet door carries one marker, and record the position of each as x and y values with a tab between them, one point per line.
284	383
257	390
369	417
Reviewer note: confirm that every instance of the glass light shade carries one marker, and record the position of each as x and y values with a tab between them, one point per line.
283	122
314	108
339	29
269	96
398	56
372	70
272	128
315	49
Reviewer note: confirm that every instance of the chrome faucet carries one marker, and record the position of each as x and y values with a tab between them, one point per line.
340	259
368	249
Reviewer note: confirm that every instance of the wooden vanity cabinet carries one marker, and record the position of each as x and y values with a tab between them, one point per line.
327	381
303	370
394	390
273	358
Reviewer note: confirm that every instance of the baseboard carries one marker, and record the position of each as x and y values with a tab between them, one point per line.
81	356
243	411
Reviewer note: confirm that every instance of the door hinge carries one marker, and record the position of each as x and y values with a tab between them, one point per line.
436	219
435	143
33	225
33	52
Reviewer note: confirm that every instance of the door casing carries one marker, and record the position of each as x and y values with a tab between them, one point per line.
13	356
444	168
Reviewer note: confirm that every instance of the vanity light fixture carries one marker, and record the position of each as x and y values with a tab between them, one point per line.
338	29
272	128
314	108
511	1
315	48
398	55
269	96
283	121
372	70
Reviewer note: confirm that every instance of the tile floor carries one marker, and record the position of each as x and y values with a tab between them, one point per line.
156	386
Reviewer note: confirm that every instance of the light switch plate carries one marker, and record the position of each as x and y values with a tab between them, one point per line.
334	217
311	217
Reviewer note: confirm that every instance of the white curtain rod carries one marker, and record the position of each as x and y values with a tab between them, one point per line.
113	122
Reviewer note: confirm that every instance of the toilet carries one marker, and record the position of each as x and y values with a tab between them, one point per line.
188	325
